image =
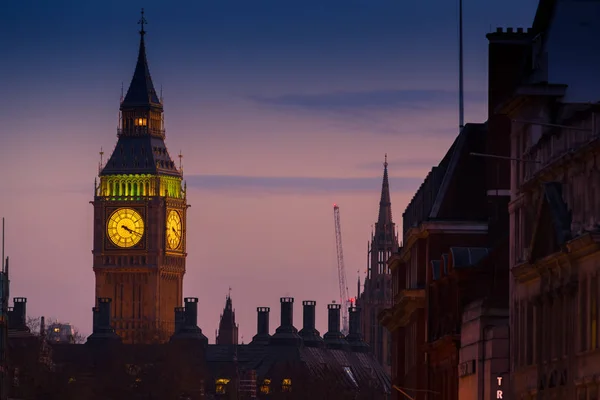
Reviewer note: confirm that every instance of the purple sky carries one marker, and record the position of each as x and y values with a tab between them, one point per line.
280	108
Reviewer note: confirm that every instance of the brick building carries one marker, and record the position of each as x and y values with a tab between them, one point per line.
449	320
554	209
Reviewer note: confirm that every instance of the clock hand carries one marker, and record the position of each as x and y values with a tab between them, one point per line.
130	231
173	229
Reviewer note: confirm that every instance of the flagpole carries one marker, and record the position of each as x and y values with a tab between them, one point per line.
461	105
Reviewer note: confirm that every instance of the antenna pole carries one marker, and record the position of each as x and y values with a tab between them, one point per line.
461	102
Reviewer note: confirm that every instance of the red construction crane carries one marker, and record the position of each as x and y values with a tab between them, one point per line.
345	300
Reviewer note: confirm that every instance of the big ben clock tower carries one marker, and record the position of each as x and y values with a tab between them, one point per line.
140	218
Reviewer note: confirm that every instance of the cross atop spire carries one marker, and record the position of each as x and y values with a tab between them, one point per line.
142	21
141	93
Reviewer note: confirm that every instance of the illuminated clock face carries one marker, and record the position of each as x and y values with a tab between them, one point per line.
174	230
125	227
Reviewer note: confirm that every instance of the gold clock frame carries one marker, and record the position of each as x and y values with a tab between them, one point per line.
141	228
174	234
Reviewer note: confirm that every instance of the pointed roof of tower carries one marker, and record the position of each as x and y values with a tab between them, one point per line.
228	316
141	91
385	204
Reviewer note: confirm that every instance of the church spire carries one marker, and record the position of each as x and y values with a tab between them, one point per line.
385	204
141	91
228	329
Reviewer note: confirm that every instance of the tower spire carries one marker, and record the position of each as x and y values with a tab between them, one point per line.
385	204
141	91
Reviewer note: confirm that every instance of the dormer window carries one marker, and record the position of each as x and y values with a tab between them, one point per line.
265	388
140	122
221	385
286	385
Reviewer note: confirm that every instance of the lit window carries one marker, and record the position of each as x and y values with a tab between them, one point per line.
265	388
286	385
140	121
221	385
56	329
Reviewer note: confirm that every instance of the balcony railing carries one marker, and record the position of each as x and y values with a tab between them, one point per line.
141	131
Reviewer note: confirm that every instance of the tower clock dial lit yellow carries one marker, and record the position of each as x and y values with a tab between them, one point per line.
125	227
174	230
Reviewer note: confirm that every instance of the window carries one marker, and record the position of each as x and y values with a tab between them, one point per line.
221	385
530	326
286	385
583	314
594	312
265	388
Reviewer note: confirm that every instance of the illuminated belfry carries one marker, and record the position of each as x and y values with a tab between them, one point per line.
139	218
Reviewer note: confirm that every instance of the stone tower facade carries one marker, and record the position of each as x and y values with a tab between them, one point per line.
139	247
377	293
228	329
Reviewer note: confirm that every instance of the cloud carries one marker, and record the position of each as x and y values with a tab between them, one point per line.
297	185
387	112
377	99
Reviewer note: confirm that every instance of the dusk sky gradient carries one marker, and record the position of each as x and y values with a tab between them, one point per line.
280	108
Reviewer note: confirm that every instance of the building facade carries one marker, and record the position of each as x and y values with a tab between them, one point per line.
140	218
284	365
377	293
449	319
4	298
554	209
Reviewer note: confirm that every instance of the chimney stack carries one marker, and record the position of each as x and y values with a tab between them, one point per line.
20	312
311	336
188	329
262	326
287	311
104	312
355	338
102	331
191	311
334	339
286	334
179	318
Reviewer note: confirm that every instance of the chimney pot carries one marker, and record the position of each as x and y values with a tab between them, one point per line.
334	317
20	312
287	311
179	318
308	317
104	312
95	321
191	311
519	30
262	327
509	30
499	29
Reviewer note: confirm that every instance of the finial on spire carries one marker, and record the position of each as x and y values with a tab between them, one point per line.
385	163
142	21
180	161
101	160
229	294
